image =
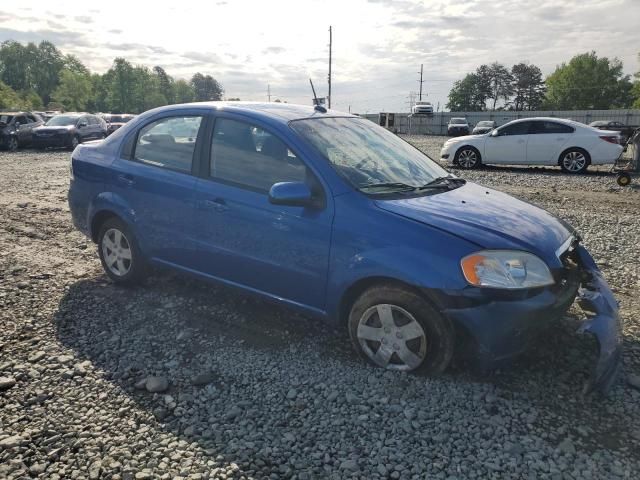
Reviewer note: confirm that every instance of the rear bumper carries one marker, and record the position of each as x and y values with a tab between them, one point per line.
498	325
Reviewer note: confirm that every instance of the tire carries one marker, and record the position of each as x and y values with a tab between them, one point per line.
394	328
12	144
574	160
623	179
75	141
467	158
119	254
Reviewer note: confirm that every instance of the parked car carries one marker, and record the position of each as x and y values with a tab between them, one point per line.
69	129
337	217
536	141
457	126
422	108
16	129
485	126
626	131
115	121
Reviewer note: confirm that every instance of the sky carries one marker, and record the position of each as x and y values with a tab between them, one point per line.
378	45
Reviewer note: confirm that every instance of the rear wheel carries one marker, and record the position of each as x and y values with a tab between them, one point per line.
467	158
574	161
119	253
396	329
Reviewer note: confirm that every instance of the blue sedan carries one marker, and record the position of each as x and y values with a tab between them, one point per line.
330	214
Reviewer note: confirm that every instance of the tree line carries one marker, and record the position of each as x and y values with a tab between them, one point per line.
38	77
585	82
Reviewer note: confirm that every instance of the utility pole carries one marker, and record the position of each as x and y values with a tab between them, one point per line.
421	81
330	45
269	91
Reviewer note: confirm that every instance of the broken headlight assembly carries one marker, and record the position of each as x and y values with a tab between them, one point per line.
508	269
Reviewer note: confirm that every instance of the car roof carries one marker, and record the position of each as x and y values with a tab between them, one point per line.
14	113
283	112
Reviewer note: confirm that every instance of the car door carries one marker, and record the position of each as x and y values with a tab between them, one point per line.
546	141
83	128
509	146
22	129
154	178
243	238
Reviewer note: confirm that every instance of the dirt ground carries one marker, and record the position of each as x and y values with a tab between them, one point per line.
284	396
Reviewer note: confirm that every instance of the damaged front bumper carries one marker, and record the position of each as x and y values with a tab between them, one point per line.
495	326
596	297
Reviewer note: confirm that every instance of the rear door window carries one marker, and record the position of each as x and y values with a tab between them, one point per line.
542	127
168	143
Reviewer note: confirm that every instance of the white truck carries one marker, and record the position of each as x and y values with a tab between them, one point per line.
422	108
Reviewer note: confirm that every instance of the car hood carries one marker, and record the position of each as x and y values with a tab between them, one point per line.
488	218
465	138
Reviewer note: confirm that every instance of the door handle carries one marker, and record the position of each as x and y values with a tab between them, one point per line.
126	179
217	204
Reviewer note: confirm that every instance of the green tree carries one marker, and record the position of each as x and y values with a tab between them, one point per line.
466	95
9	99
121	88
206	88
528	87
16	64
500	83
31	100
588	82
74	90
165	84
183	92
48	62
635	90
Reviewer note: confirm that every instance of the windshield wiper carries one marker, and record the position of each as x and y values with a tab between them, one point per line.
390	185
445	182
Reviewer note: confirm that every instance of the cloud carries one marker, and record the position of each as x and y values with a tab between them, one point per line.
58	38
274	50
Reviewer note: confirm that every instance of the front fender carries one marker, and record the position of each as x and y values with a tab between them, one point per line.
417	267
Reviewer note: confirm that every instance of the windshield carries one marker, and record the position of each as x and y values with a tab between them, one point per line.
5	119
366	154
61	120
458	121
485	123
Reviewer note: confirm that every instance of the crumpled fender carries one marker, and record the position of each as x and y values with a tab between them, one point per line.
595	296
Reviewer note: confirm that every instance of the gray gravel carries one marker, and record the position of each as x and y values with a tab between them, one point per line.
245	389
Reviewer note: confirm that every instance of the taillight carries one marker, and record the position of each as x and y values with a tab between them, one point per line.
610	139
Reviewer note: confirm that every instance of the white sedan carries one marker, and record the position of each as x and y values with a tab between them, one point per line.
536	141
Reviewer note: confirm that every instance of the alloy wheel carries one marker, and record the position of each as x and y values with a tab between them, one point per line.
116	251
574	161
392	338
467	158
12	144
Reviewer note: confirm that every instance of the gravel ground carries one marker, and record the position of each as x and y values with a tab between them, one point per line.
181	379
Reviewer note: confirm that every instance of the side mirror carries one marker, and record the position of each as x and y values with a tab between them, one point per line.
82	124
293	194
17	125
494	133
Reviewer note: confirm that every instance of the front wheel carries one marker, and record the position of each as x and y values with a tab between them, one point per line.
574	161
12	144
74	142
396	329
119	253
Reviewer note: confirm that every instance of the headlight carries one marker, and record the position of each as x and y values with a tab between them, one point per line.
509	269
